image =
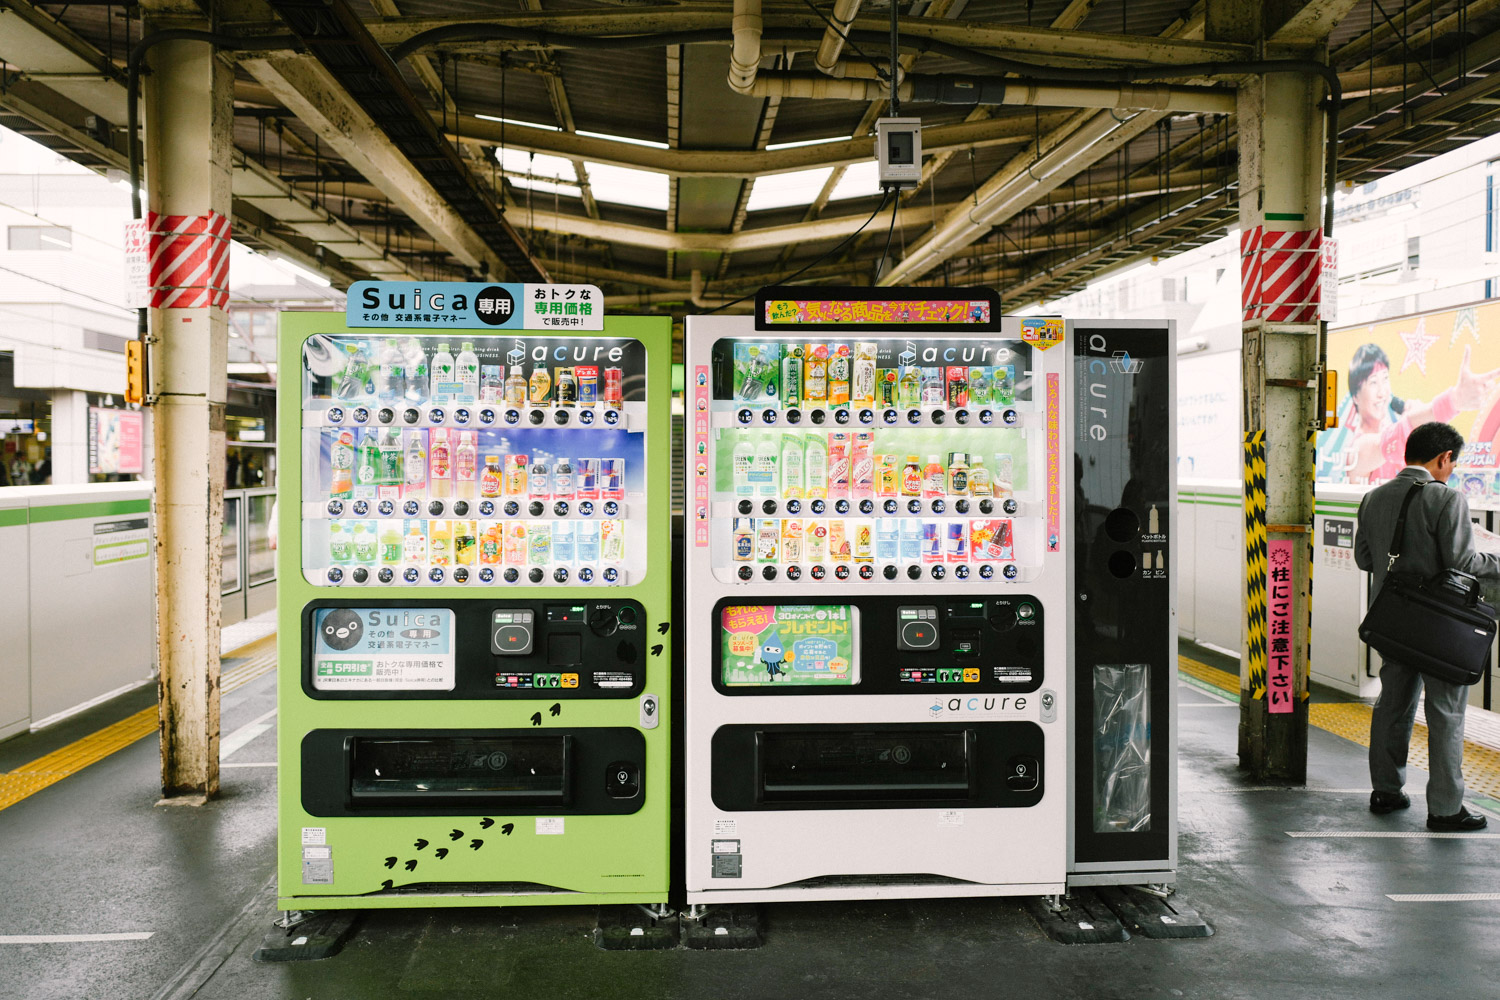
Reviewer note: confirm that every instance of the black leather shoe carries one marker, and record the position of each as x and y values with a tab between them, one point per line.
1387	802
1462	821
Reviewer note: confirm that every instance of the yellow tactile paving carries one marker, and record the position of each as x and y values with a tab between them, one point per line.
31	778
1351	720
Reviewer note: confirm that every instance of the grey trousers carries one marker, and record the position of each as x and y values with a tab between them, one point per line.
1390	735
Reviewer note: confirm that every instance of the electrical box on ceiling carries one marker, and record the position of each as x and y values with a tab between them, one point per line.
898	149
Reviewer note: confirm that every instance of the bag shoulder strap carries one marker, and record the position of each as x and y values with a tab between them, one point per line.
1398	537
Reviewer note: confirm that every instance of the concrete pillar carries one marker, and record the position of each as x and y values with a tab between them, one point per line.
1281	148
70	437
188	114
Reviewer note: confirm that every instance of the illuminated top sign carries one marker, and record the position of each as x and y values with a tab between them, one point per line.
474	305
914	309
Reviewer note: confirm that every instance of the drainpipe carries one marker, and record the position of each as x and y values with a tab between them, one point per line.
829	49
973	91
744	57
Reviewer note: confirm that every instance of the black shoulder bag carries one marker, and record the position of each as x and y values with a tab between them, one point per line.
1437	625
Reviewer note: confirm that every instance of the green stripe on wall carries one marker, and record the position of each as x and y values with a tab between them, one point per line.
12	517
1284	216
77	511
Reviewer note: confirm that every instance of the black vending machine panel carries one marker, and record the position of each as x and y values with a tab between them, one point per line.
1123	638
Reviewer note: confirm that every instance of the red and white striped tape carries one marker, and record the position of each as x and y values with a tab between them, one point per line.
1281	275
189	261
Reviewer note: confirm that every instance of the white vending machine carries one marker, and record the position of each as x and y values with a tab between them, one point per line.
930	644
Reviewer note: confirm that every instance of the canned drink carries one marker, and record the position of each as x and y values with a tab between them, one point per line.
588	384
957	549
614	388
612	478
586	479
932	542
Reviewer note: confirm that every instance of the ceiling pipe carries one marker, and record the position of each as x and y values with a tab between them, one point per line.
832	45
744	56
973	91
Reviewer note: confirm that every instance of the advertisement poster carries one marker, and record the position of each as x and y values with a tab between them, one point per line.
765	644
1398	374
383	649
115	441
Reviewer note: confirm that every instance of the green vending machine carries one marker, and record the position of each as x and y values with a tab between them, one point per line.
474	600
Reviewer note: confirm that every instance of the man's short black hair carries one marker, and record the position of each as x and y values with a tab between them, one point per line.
1431	440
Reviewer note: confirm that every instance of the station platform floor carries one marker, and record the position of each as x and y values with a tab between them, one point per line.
108	895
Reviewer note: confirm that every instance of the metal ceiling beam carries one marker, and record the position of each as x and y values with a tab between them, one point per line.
1312	22
348	73
738	162
310	92
52	54
769	237
274	202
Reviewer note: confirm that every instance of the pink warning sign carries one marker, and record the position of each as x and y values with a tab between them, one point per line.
1281	675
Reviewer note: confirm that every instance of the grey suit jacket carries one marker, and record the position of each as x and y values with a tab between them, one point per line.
1438	533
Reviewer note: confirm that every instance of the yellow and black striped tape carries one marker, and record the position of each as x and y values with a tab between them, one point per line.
1255	559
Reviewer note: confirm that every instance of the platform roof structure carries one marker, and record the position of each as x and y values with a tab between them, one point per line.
602	141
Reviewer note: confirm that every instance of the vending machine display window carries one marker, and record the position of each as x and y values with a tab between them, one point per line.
789	645
479	460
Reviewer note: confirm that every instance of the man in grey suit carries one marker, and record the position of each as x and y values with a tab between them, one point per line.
1438	536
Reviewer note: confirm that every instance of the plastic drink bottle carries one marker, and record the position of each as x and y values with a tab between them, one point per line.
440	543
612	541
467	375
414	544
365	542
465	543
588	541
562	479
489	479
793	471
911	477
815	482
340	543
764	471
418	377
442	375
911	540
390	543
390	479
564	548
440	464
887	538
862	466
958	473
743	458
416	463
539	540
354	383
742	542
515	387
491	544
341	462
791	377
838	464
934	479
979	479
366	464
539	481
390	382
465	462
